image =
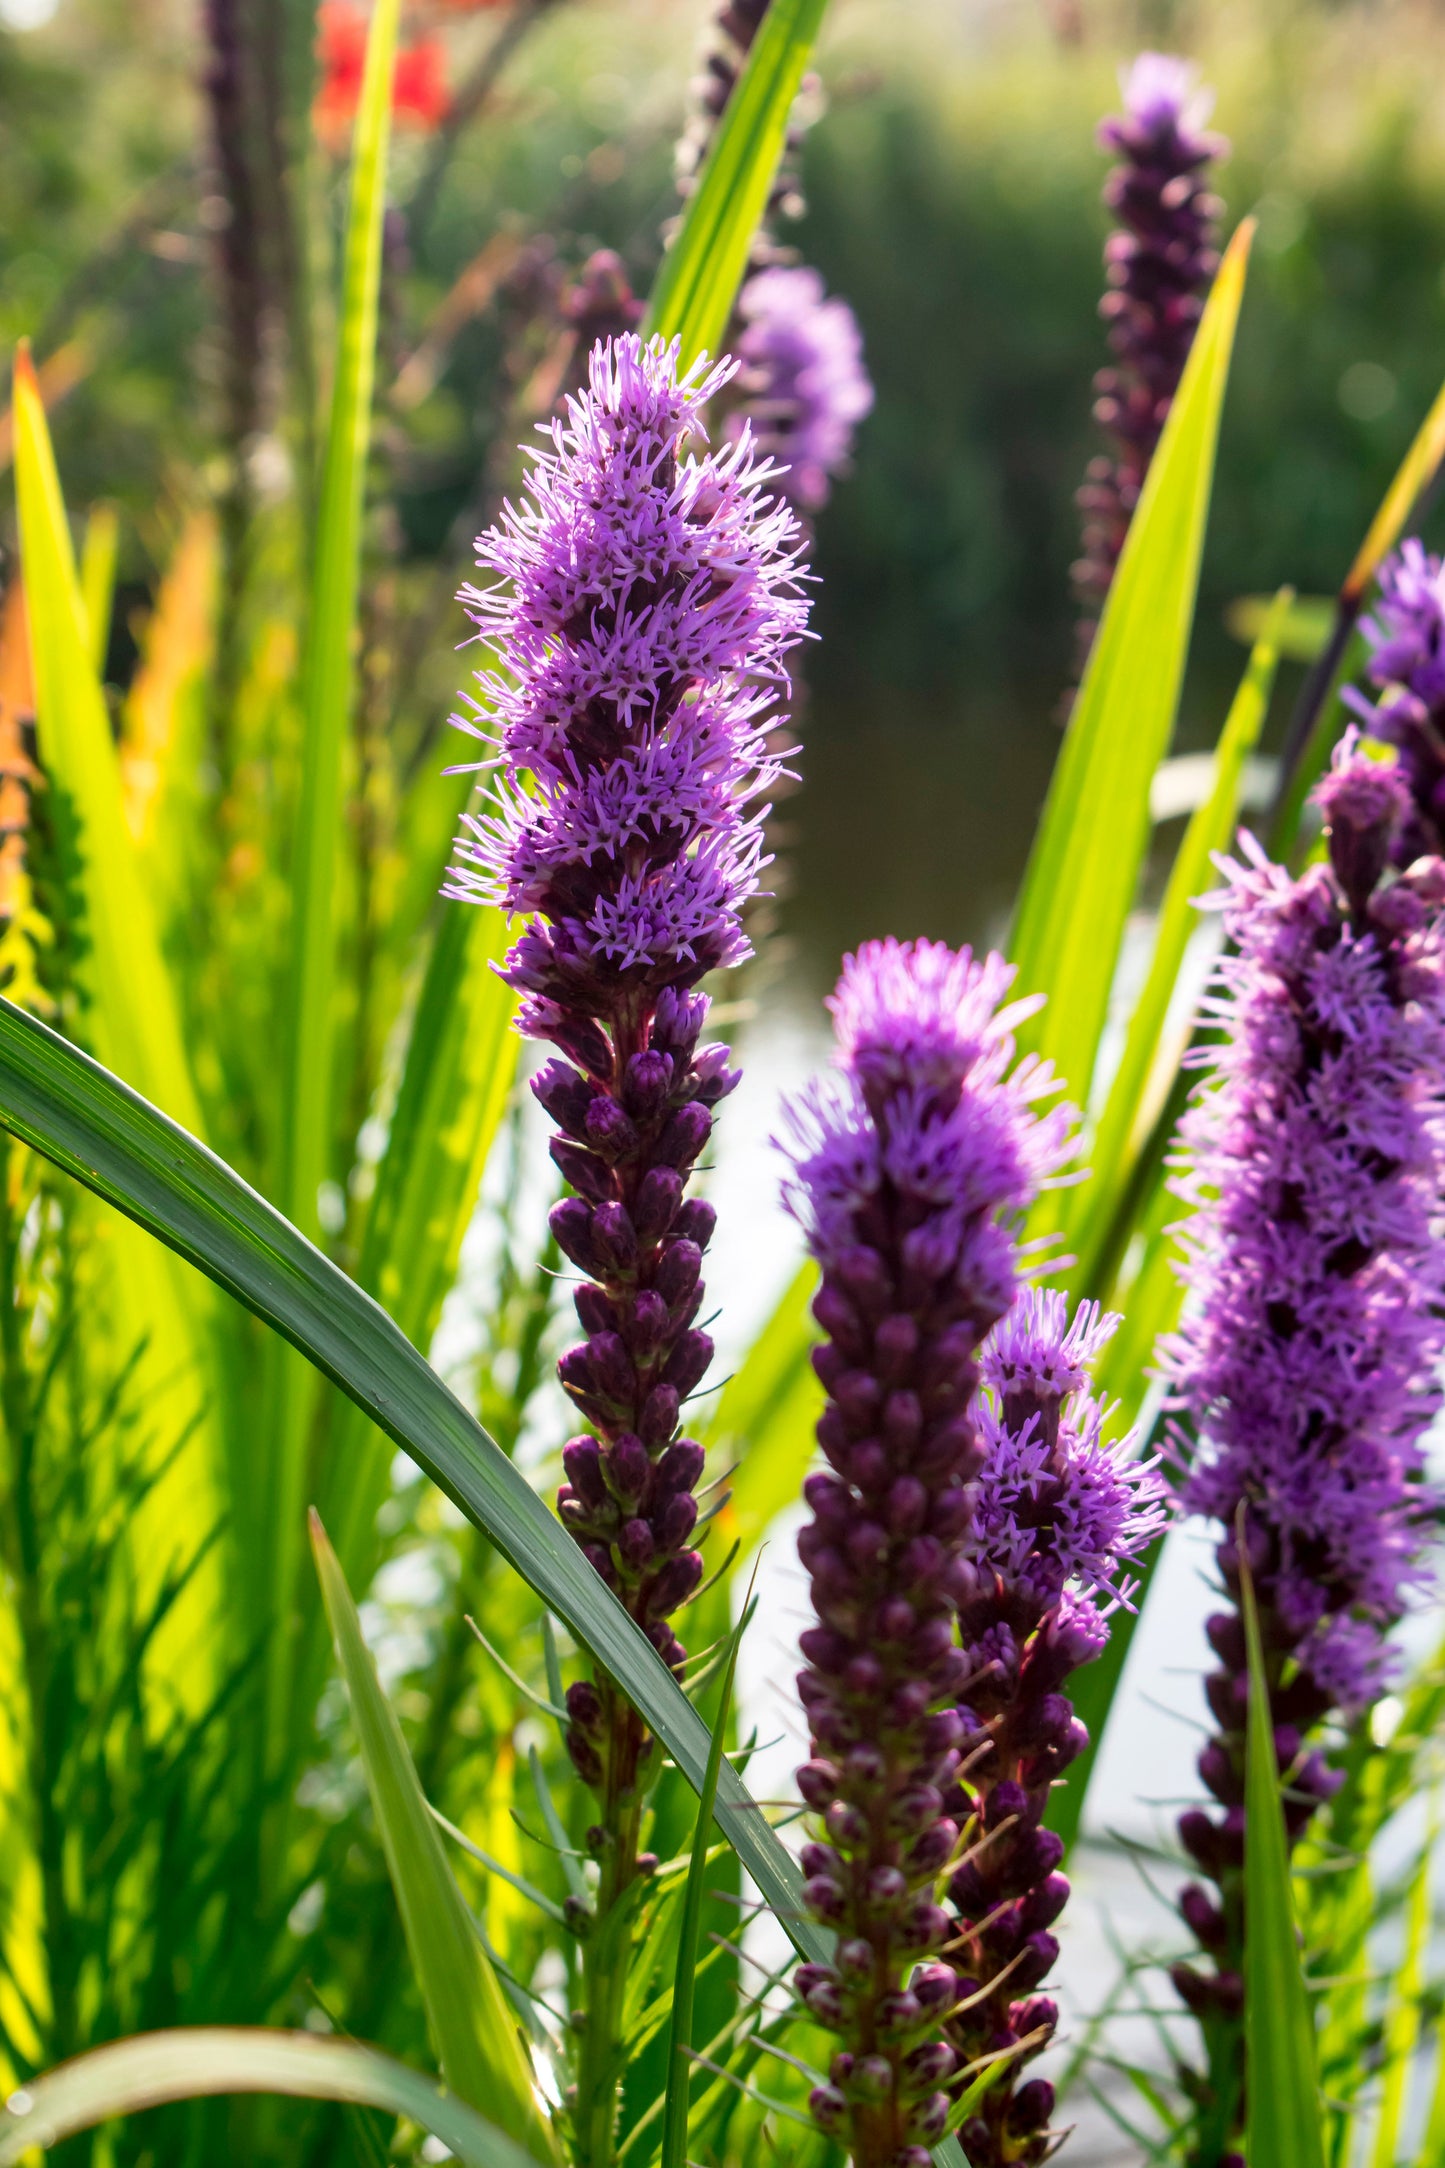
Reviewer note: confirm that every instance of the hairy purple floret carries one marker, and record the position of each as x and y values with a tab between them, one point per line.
1307	1365
646	598
1158	264
803	384
906	1171
1060	1512
1406	633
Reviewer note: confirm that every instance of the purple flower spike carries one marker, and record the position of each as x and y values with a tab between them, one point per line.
647	596
1308	1363
1059	1514
803	383
905	1172
1406	632
1159	265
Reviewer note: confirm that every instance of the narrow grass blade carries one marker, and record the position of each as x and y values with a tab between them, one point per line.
1284	2117
1084	868
766	1415
679	2069
699	278
1402	2016
97	580
328	668
472	2025
94	1127
1147	1068
204	2060
1303	632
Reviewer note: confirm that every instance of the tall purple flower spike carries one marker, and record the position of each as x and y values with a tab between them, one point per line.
1159	264
1308	1362
803	385
1406	632
905	1172
646	600
1060	1512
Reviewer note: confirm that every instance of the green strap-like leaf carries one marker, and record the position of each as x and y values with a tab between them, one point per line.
767	1413
472	2025
98	1130
1084	869
204	2060
1132	1106
699	278
1285	2125
328	668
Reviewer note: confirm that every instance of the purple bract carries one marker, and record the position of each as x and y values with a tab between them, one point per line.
1406	632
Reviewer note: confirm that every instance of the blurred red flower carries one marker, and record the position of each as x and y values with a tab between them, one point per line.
419	90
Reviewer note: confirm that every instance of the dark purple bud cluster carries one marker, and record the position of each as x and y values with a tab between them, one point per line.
1406	634
902	1175
1059	1512
1159	265
1308	1364
629	1138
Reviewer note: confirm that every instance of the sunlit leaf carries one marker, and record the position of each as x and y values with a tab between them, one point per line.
472	2024
1084	869
204	2060
698	281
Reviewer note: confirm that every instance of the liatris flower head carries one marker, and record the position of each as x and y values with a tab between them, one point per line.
1059	1513
1158	265
803	385
1308	1362
1406	632
907	1170
647	594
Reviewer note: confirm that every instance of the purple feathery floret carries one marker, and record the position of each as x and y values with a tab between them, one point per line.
1406	632
1158	266
803	384
647	594
1060	1511
1308	1361
906	1170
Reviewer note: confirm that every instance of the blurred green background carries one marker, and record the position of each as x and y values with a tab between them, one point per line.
953	193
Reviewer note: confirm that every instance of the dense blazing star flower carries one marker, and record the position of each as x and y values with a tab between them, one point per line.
803	383
1406	632
1308	1362
1159	264
648	594
1060	1511
906	1171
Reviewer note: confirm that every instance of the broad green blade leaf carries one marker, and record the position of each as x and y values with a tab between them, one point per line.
472	2025
326	696
1284	2117
97	579
63	1104
699	277
679	2068
1147	1068
461	1059
767	1413
203	2060
1084	868
328	668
